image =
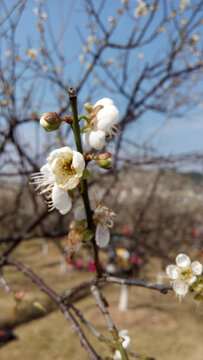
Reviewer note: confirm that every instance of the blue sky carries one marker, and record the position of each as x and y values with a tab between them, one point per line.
172	136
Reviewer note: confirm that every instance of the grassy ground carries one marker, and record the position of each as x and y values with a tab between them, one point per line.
158	324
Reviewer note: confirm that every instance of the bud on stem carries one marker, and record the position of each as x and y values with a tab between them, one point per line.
105	160
50	121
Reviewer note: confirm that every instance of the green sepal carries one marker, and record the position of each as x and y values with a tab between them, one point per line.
88	235
85	129
85	174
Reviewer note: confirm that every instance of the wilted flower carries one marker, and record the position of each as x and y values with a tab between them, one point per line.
183	274
125	344
103	217
62	173
105	115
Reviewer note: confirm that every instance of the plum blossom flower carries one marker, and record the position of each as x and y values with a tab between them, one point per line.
126	342
62	173
141	9
103	217
102	124
183	274
31	53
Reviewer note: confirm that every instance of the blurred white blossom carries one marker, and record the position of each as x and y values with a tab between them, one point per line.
183	5
141	9
103	217
125	344
31	53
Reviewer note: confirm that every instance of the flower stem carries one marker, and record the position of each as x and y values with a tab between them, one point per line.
84	185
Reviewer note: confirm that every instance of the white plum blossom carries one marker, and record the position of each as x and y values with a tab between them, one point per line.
62	173
111	20
103	216
125	344
183	274
141	9
31	53
102	124
183	5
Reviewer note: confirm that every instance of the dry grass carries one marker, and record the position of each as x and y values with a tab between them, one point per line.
158	324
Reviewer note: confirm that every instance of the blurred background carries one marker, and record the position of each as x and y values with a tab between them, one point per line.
148	57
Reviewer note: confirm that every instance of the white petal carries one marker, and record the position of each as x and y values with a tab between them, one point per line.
97	139
126	342
123	333
62	152
45	169
180	287
117	355
172	271
78	162
102	235
86	139
183	261
61	200
80	213
104	102
191	280
196	268
107	117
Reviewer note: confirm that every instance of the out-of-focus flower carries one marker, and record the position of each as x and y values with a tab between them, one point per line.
62	173
4	102
111	20
183	21
140	55
183	5
45	68
82	58
161	29
91	39
125	344
103	217
141	9
196	37
36	11
104	117
110	61
8	53
31	53
86	48
183	274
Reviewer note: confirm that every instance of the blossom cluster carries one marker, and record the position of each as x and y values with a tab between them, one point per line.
65	168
